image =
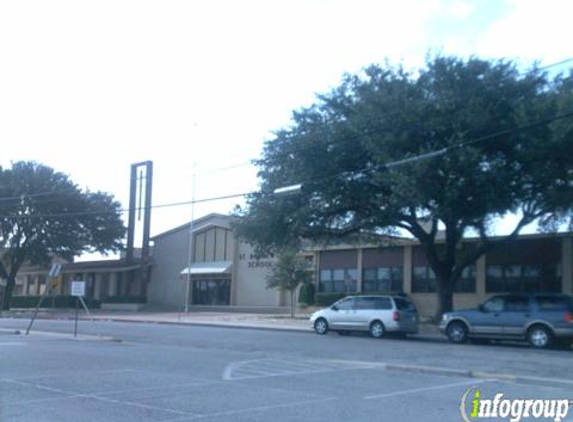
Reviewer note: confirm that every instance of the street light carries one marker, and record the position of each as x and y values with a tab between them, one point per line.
288	190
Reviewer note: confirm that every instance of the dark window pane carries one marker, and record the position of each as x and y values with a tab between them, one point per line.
369	286
382	303
517	304
369	274
345	305
325	275
338	275
384	273
495	304
554	303
403	304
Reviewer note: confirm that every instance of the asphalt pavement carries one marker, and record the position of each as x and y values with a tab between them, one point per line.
152	373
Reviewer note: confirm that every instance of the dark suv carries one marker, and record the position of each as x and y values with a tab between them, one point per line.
541	319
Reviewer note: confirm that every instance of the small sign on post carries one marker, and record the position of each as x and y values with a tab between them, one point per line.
78	288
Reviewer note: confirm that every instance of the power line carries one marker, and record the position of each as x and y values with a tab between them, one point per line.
392	164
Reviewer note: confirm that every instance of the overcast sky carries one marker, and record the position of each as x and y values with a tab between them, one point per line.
89	87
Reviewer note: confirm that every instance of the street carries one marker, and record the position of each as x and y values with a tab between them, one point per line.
153	373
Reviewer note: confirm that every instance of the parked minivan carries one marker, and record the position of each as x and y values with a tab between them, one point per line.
542	319
377	314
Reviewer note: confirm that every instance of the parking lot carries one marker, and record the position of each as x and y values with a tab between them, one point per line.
165	373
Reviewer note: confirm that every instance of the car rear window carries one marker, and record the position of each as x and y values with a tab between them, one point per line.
403	304
554	303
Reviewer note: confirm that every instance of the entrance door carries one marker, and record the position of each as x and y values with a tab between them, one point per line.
211	292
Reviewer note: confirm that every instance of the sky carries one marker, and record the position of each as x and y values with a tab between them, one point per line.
89	87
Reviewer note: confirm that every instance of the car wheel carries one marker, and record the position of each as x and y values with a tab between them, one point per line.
540	336
377	329
457	332
320	326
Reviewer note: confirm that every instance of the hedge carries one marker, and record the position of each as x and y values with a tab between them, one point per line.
63	301
327	299
306	296
124	299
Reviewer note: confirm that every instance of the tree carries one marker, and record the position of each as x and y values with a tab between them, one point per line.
289	272
43	215
470	141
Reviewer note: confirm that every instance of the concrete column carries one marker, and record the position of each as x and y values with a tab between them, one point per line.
37	277
481	266
407	269
97	285
25	286
317	273
359	269
567	265
112	286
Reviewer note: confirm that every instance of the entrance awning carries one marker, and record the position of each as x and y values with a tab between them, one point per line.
216	267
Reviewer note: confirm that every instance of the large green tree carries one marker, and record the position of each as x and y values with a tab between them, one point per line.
468	141
43	215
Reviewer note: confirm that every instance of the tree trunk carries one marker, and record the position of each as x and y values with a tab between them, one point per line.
10	282
292	304
445	297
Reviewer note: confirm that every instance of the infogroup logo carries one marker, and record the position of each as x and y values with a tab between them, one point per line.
475	407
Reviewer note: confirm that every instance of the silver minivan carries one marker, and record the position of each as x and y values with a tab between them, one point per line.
377	314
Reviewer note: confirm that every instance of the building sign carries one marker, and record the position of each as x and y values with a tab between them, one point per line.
255	261
78	288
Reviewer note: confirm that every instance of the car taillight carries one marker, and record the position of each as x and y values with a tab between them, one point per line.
568	317
396	316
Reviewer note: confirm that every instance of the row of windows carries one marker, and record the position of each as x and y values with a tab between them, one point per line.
424	280
523	278
499	279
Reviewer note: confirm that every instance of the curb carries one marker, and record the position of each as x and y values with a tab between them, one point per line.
213	324
489	376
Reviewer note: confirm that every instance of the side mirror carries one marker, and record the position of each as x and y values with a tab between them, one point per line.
482	308
334	308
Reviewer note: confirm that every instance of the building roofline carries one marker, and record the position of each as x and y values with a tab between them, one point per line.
389	241
197	222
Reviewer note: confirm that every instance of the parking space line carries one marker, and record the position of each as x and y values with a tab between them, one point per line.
420	390
72	395
252	409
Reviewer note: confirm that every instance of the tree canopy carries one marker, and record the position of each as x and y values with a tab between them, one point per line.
43	215
452	146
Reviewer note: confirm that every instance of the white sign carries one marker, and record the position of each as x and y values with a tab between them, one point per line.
78	288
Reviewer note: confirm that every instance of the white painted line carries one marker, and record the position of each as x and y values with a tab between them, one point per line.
72	395
420	390
253	409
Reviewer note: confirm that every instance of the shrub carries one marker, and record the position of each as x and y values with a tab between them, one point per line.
306	294
124	299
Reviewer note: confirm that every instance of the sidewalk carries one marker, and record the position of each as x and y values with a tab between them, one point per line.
299	323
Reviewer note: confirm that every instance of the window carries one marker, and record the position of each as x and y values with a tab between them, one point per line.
495	304
339	280
424	280
467	281
522	278
345	305
554	303
383	279
517	304
404	305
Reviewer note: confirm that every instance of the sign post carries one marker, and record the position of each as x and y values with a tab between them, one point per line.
53	275
78	291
